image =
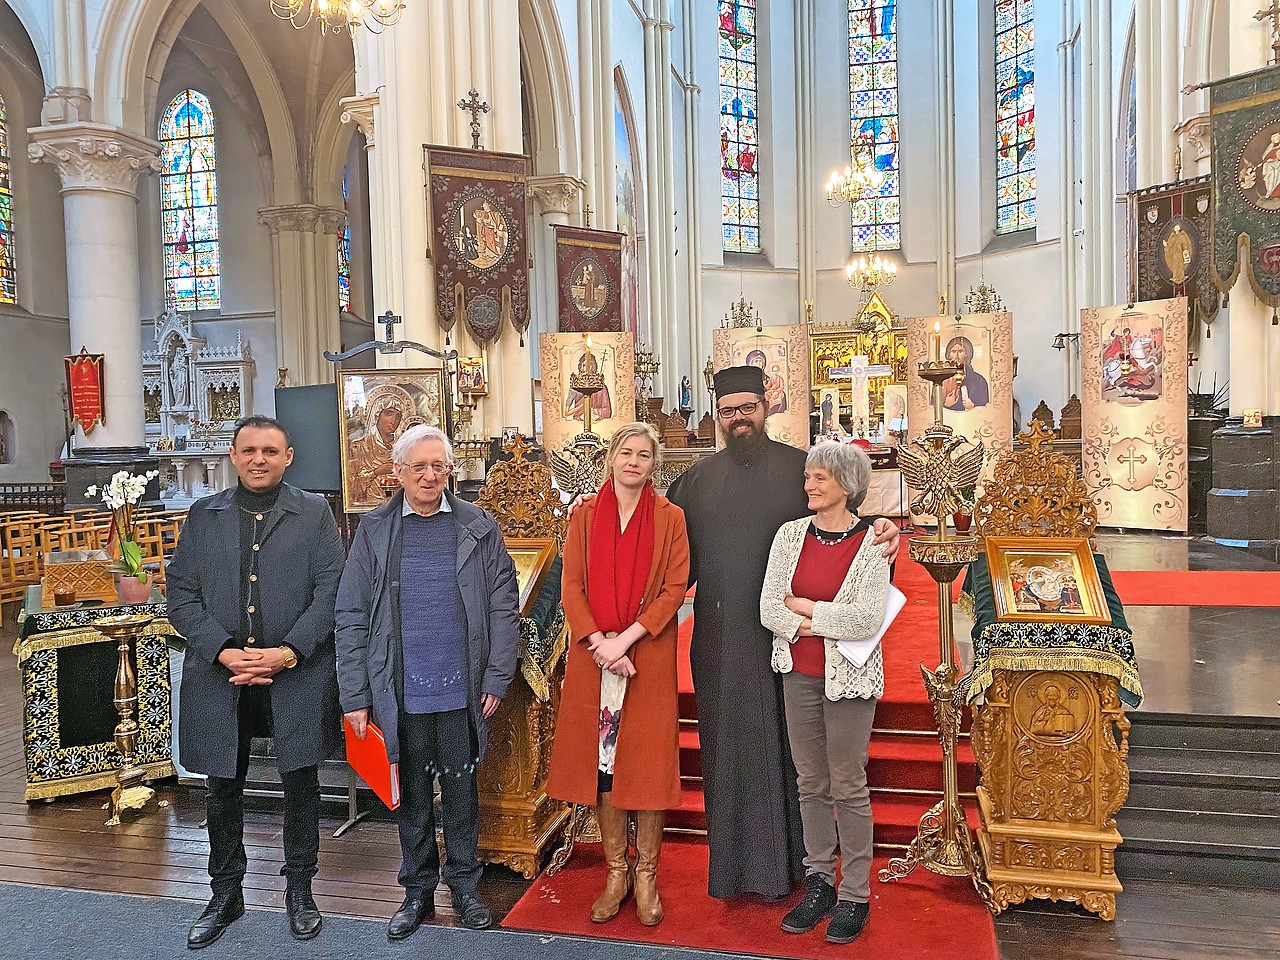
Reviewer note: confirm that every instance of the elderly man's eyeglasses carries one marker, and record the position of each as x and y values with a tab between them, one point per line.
437	468
746	409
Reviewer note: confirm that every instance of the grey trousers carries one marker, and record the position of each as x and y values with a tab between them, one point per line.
829	747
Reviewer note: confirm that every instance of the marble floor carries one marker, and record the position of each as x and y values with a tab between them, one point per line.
1201	660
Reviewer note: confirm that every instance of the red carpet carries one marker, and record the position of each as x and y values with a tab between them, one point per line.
1197	588
907	916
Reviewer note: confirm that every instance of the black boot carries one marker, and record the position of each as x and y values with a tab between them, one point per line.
223	910
304	915
847	920
818	900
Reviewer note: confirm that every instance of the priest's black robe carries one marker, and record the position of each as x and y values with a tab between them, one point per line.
733	509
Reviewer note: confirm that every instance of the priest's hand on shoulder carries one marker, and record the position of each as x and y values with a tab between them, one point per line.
578	501
886	534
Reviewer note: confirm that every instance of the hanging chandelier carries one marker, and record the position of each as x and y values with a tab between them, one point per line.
867	274
858	180
336	15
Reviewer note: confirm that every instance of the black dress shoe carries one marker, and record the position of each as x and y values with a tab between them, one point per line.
410	916
847	920
222	911
304	915
473	912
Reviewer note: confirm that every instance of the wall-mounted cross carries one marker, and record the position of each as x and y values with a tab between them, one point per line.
389	320
1133	458
475	107
1273	13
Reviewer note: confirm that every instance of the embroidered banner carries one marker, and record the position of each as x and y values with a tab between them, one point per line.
85	389
1171	254
476	201
589	279
1133	371
1245	113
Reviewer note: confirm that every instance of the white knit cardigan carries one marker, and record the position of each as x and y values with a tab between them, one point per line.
855	614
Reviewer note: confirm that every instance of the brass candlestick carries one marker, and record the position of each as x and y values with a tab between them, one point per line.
131	793
466	448
938	466
646	368
587	384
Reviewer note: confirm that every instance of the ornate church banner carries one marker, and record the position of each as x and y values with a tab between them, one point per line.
476	203
978	404
1170	251
1245	113
589	279
1133	374
85	389
613	357
782	352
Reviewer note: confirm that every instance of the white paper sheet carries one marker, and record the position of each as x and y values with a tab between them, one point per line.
858	652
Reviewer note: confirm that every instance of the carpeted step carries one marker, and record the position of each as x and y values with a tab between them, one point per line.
915	763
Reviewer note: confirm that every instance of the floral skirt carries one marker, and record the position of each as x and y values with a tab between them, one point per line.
613	689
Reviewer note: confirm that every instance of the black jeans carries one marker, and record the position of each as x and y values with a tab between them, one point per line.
224	806
443	745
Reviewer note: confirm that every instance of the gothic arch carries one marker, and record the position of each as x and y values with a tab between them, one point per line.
32	24
623	105
550	90
332	139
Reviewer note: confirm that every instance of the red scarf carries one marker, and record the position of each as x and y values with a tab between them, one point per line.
620	559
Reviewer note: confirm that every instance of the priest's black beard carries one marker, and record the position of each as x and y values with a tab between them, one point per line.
745	448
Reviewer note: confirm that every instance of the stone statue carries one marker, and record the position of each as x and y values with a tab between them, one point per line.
686	394
178	377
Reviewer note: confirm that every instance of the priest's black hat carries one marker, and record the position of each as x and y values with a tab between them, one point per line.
739	380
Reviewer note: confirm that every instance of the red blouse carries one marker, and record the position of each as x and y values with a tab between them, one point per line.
820	571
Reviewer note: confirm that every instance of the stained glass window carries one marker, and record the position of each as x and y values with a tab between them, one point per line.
344	254
873	113
739	127
1015	116
189	204
8	279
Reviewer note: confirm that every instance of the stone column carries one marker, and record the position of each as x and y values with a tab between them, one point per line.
945	169
556	200
99	166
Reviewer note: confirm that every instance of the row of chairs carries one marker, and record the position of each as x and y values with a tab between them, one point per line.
27	537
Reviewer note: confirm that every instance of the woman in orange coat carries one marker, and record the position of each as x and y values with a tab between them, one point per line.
626	570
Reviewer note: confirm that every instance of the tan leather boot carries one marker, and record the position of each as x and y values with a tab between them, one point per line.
613	838
648	846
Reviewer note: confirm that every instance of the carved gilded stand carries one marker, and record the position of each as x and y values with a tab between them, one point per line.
130	793
1051	745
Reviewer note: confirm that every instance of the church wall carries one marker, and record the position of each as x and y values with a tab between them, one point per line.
30	380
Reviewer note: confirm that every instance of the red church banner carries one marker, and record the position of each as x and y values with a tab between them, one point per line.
589	280
476	202
85	388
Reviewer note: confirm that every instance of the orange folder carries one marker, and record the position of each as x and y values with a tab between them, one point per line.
368	758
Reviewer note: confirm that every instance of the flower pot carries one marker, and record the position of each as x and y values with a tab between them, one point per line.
962	521
132	590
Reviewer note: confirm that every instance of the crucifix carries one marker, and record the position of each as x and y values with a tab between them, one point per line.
1133	458
857	372
389	321
475	107
1273	13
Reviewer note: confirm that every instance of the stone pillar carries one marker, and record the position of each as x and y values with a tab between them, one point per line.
99	166
945	171
659	194
556	200
307	317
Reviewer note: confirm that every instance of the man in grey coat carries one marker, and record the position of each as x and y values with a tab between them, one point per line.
251	589
427	621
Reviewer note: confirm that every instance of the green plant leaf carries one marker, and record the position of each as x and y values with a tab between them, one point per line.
131	557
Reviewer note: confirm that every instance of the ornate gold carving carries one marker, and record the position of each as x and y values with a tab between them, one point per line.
939	469
1036	493
520	495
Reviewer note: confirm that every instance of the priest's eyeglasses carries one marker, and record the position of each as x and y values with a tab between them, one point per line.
746	409
420	469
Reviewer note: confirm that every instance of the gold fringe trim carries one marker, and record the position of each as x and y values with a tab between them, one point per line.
75	636
1057	658
966	604
95	781
539	679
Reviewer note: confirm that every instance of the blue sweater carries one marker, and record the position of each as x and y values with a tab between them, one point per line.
431	615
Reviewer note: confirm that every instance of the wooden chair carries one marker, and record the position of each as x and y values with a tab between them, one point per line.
24	544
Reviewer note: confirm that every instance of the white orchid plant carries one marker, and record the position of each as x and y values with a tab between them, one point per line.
121	495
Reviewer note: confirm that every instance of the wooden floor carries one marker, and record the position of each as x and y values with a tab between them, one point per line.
64	843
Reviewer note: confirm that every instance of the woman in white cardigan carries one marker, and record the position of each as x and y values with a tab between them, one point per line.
826	582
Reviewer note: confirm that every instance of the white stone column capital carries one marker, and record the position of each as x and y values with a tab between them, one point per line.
93	156
555	193
302	218
360	111
1197	131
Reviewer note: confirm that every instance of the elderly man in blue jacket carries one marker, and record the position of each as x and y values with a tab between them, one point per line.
427	631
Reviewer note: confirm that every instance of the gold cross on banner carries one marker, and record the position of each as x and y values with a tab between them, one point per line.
475	107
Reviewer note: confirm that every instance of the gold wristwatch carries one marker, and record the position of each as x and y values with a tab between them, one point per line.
290	658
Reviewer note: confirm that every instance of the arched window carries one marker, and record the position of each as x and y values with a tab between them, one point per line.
1015	116
189	204
873	114
739	127
8	278
344	254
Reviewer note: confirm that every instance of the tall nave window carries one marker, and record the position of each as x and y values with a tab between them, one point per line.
739	127
189	204
8	278
873	115
344	253
1015	116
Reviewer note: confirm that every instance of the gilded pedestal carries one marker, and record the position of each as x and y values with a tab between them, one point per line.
1051	747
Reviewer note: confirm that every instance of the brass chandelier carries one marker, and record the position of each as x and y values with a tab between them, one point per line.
859	179
336	15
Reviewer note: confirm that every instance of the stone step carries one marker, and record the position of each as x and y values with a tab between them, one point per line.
1193	732
1216	799
1181	832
